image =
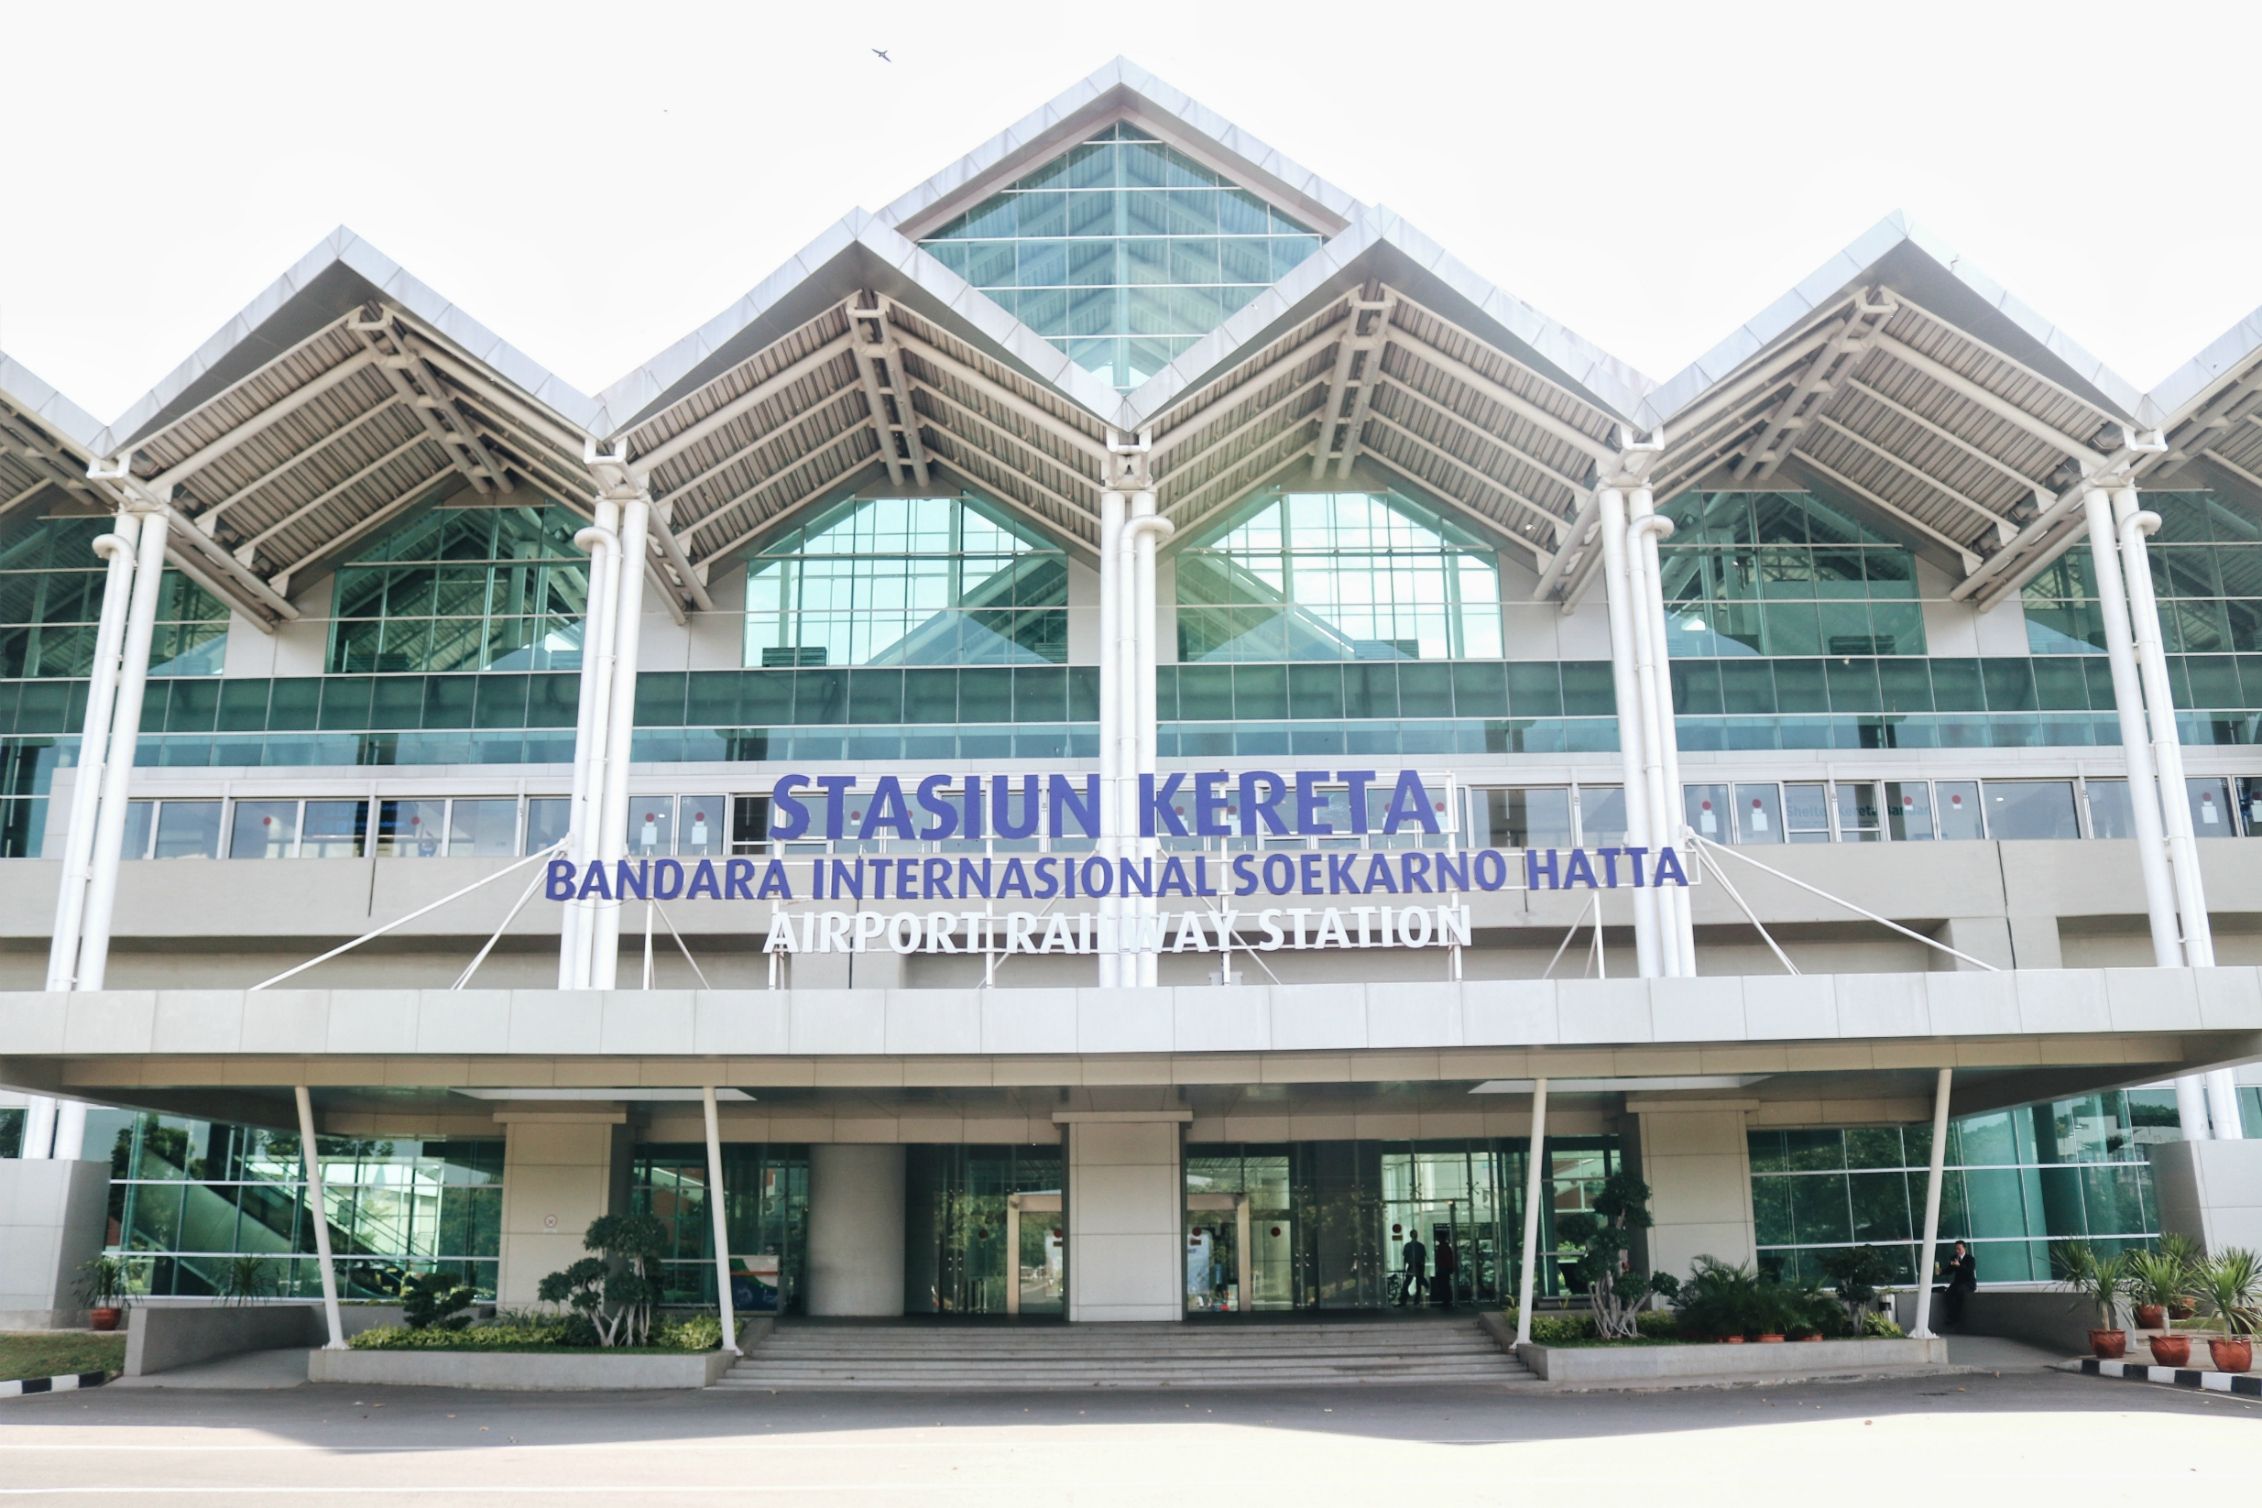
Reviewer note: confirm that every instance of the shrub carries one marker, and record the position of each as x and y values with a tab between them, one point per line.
614	1291
1719	1300
1855	1272
1616	1291
1877	1325
532	1332
433	1300
244	1280
2232	1283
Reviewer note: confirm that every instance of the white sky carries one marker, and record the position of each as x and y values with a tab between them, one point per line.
591	181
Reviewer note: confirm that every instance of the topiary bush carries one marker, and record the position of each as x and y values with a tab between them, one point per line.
436	1301
615	1290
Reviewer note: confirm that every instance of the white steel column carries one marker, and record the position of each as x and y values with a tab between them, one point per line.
1641	594
1529	1258
118	763
2175	791
602	541
318	1210
1625	687
117	551
2143	786
1147	532
722	1221
1677	939
1933	1179
626	627
1110	841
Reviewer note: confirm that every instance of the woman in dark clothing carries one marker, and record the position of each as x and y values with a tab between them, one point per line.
1447	1262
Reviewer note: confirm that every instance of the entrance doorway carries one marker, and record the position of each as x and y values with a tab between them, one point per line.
1036	1240
1218	1254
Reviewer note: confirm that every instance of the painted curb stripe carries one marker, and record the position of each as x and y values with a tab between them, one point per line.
68	1382
2245	1385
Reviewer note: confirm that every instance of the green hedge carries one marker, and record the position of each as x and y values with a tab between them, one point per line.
701	1332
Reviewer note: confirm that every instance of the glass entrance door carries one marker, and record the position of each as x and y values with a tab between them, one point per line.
1037	1243
1218	1254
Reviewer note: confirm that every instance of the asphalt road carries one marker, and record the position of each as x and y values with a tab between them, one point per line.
2000	1440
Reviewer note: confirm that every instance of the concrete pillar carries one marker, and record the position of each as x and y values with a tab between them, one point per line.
561	1170
1126	1216
856	1231
53	1213
1625	686
1697	1164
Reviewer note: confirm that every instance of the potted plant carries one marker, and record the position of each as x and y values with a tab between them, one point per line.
2189	1253
102	1288
2103	1281
1718	1301
2156	1279
1774	1312
1855	1272
2232	1284
245	1281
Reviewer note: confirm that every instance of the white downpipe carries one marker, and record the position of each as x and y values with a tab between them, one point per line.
117	551
318	1209
2143	783
1648	528
1530	1256
1108	844
1151	532
1934	1176
620	727
118	762
588	740
1625	687
1647	674
39	1127
722	1220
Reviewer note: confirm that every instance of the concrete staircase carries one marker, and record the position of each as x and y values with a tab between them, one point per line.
923	1356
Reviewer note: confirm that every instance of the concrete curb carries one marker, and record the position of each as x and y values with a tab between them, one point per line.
24	1387
2241	1384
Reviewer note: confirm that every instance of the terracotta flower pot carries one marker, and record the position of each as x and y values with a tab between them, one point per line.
2151	1316
1814	1337
2171	1350
1771	1340
2231	1353
2183	1308
1732	1340
103	1319
2108	1345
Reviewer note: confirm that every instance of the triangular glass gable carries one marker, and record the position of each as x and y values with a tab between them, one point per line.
1122	251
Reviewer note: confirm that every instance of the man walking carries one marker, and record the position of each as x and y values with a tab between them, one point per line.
1416	1258
1448	1264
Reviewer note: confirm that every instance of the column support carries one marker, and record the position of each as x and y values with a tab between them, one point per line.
2175	792
117	551
118	763
1933	1179
627	614
602	541
1677	938
2143	783
1617	591
1529	1259
1150	531
722	1221
1110	839
318	1210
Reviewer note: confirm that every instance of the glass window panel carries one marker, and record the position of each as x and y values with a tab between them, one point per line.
411	829
1806	813
548	819
188	830
1908	811
700	825
1957	809
1759	814
334	830
1706	810
1602	816
2023	809
2210	800
263	830
482	828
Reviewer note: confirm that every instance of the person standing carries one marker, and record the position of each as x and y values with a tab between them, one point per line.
1448	1265
1962	1273
1416	1257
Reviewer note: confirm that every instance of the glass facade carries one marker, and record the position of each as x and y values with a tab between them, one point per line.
978	1219
765	1210
2016	1181
188	1196
1784	575
51	601
1323	1224
476	588
1337	576
1122	252
2206	573
908	581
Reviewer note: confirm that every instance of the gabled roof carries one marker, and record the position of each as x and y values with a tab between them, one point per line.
1121	89
347	392
1899	378
2209	410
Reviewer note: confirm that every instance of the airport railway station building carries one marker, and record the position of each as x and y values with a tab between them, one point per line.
1117	737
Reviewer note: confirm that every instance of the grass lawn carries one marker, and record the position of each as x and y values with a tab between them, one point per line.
50	1353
